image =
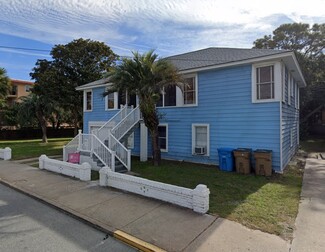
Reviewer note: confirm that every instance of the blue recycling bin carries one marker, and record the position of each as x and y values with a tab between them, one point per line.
226	159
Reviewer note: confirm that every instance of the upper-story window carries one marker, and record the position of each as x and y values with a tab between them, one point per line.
265	82
13	90
88	102
27	88
110	98
190	91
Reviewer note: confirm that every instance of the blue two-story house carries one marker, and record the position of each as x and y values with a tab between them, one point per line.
238	98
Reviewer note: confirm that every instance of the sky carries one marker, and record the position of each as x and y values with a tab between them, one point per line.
169	26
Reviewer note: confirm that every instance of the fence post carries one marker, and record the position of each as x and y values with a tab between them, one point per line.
7	153
41	161
129	160
201	199
80	139
113	161
103	179
85	172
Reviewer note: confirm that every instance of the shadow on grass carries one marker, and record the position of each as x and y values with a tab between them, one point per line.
266	203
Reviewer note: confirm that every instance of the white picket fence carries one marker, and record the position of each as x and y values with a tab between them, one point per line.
196	199
82	172
5	153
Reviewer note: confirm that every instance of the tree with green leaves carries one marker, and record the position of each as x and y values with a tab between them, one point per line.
309	46
145	76
4	86
74	64
32	107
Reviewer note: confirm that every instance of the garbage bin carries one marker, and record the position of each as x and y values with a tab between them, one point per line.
263	162
243	160
226	159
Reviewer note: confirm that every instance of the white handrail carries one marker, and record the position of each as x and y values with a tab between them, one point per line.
126	124
103	131
122	153
70	147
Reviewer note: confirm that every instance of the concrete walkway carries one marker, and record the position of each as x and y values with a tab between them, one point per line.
164	225
310	222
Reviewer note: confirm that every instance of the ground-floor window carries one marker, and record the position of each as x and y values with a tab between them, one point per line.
200	139
130	141
163	137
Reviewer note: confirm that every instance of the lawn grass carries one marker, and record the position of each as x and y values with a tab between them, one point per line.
268	204
313	144
22	149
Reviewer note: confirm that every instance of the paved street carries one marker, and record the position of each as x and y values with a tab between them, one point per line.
29	225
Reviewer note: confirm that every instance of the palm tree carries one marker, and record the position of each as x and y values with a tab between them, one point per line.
145	76
4	86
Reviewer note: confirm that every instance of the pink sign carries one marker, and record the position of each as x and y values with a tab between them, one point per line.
74	158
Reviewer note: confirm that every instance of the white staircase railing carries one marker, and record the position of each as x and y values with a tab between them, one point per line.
92	144
103	132
70	147
126	124
112	131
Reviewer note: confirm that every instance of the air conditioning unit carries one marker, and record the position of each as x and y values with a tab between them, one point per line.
199	150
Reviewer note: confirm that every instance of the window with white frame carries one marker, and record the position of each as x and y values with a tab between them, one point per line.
291	137
265	82
110	101
27	88
88	102
200	139
289	88
163	137
296	95
190	91
283	82
130	141
292	90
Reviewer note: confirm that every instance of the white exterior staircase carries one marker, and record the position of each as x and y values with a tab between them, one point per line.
105	145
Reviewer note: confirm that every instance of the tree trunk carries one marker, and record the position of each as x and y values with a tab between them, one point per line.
42	121
156	154
44	132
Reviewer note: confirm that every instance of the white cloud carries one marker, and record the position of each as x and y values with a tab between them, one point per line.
170	26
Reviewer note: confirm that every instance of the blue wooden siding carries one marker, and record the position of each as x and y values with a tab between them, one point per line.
225	103
290	120
98	112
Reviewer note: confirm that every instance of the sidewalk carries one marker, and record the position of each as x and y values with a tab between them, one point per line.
310	222
164	225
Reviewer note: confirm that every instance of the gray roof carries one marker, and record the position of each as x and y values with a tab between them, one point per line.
216	56
100	82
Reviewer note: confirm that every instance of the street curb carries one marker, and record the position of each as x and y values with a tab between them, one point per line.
118	234
137	243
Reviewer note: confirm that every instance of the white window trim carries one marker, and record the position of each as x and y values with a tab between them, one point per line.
291	138
296	94
85	100
194	125
289	88
165	125
27	88
180	95
277	82
95	123
131	146
283	82
195	76
115	102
